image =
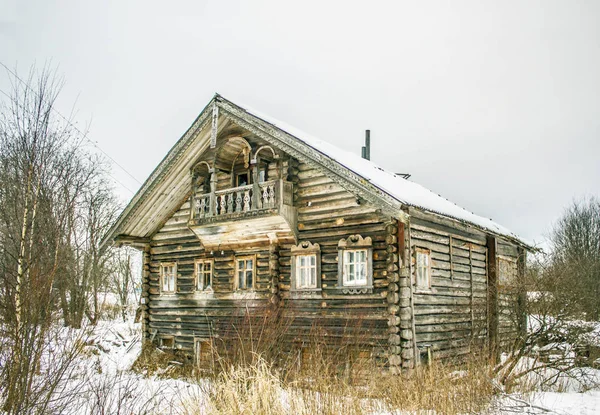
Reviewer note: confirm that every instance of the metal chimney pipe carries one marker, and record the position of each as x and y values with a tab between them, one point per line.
367	145
363	152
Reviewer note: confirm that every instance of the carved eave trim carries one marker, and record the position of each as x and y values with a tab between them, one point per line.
160	171
295	147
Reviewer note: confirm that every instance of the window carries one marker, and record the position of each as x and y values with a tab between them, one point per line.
244	273
168	278
167	342
241	179
263	172
306	267
306	271
355	265
204	272
423	268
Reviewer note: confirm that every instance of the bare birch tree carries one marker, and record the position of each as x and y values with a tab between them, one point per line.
54	206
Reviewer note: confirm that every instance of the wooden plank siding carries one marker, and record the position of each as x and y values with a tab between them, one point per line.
451	316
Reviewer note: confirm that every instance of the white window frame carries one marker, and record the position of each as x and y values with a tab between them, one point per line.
166	286
245	258
304	271
352	264
422	269
300	252
353	245
200	275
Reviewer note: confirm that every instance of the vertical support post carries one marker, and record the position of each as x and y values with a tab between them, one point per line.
522	293
255	187
394	300
212	209
493	319
145	298
472	298
451	260
408	339
193	196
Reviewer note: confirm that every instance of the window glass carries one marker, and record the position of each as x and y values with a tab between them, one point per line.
241	179
306	271
168	276
423	271
355	267
245	273
204	275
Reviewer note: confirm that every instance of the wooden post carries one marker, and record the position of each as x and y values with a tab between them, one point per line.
255	187
451	260
522	292
471	301
212	210
145	298
493	320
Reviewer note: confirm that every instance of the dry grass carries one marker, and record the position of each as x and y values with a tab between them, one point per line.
250	373
263	388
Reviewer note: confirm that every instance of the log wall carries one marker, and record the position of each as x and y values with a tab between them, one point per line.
393	321
450	317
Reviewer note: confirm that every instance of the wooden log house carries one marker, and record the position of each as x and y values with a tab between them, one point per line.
246	213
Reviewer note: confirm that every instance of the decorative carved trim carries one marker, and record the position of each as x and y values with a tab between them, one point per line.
364	290
305	247
302	151
355	242
160	172
215	124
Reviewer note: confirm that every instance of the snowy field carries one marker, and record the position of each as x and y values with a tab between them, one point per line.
105	383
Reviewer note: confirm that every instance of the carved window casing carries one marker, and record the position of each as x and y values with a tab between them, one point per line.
245	272
203	269
422	268
168	278
355	265
306	267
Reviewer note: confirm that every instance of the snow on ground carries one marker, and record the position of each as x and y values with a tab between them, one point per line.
104	382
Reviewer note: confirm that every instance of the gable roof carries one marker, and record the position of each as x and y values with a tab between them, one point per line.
362	176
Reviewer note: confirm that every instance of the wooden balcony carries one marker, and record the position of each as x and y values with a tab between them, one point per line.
239	214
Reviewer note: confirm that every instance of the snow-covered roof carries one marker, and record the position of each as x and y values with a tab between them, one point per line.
405	191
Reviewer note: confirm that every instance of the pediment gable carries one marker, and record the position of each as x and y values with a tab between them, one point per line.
170	184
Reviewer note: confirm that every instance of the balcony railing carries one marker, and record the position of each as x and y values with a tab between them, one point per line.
238	200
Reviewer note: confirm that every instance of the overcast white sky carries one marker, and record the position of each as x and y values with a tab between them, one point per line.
494	105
